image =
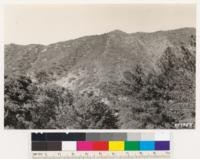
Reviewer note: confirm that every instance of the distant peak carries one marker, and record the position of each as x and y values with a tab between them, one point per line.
117	32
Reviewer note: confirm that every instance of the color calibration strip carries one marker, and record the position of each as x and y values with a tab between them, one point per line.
101	142
102	146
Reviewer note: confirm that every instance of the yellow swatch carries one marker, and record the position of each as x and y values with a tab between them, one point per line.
116	145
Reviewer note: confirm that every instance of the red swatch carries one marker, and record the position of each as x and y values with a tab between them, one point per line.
100	146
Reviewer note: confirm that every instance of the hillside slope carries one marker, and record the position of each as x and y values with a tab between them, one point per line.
96	58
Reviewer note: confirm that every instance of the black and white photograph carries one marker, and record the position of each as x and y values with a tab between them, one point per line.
99	66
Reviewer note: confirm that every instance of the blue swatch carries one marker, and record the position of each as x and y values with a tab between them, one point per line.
147	145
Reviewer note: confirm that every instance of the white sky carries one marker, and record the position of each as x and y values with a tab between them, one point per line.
45	24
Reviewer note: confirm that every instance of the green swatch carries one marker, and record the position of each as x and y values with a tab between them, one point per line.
132	145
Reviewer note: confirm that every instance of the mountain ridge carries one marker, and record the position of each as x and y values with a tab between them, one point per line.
116	30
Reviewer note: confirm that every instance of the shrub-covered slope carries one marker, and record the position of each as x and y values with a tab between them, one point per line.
147	80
